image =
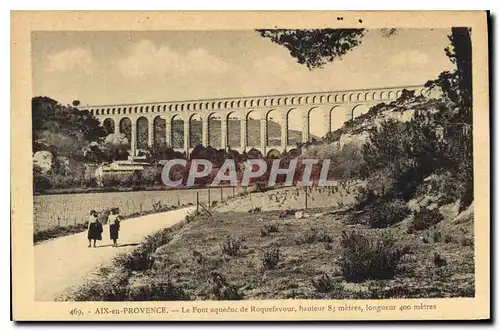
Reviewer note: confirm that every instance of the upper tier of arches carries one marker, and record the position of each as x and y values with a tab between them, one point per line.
385	94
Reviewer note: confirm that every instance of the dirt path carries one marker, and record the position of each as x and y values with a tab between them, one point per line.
64	262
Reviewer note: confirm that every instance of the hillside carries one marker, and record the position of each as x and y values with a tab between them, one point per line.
402	110
234	255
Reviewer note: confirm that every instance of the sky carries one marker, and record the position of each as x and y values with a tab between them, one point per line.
117	67
128	67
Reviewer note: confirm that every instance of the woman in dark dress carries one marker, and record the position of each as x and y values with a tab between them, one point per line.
94	229
114	226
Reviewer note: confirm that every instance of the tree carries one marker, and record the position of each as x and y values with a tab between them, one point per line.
76	103
116	146
51	119
315	47
460	53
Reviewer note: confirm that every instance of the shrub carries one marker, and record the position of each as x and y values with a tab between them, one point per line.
113	288
137	260
255	210
439	261
221	290
325	284
198	257
231	246
386	213
369	258
425	218
313	235
192	217
141	258
271	258
158	239
157	290
271	227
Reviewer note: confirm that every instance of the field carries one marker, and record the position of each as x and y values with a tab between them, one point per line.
62	210
273	254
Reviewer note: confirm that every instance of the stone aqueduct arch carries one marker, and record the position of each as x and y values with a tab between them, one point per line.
146	120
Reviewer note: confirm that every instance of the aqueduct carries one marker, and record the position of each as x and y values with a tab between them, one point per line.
259	122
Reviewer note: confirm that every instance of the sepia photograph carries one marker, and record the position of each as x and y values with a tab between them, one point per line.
253	170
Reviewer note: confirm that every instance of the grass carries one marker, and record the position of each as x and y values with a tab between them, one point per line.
49	226
192	264
58	231
51	211
61	231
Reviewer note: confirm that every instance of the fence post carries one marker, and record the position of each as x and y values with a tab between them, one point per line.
140	206
305	190
197	201
75	220
209	203
233	191
221	194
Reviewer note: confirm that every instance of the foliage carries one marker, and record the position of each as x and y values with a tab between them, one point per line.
114	288
345	162
424	219
40	181
382	214
157	289
369	258
271	227
221	289
313	235
116	146
315	47
231	246
271	258
58	231
60	129
141	258
325	284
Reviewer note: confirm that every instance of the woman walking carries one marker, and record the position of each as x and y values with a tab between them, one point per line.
114	225
94	228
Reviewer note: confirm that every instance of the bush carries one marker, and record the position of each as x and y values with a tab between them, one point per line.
313	235
271	227
221	289
369	258
192	217
386	213
198	257
231	246
40	181
271	258
113	288
157	290
424	219
158	239
137	260
325	284
141	258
